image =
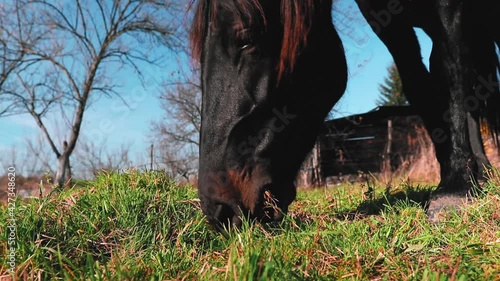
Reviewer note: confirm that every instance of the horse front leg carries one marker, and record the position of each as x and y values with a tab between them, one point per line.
458	175
438	97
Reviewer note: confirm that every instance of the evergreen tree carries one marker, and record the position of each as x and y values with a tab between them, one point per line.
391	90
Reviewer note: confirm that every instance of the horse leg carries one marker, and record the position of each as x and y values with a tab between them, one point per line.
446	124
476	142
484	36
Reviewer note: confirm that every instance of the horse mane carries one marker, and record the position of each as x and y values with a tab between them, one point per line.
296	17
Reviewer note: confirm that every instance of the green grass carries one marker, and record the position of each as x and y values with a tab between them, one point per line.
142	226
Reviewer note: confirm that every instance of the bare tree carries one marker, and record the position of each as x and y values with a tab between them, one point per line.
94	157
33	161
12	50
177	134
79	46
40	157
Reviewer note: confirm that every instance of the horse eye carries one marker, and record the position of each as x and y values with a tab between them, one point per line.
244	37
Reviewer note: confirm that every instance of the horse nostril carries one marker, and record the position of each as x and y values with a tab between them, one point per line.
236	221
272	214
223	214
224	217
273	209
278	215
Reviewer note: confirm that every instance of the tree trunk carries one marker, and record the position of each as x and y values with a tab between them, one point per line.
151	159
68	173
63	171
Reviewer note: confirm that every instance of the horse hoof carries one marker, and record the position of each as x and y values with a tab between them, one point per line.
441	205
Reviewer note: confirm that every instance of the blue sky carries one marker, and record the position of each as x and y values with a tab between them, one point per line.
367	69
112	121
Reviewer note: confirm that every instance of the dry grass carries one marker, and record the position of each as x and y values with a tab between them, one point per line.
422	167
25	187
142	226
492	152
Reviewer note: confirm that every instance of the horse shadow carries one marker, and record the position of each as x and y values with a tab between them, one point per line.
372	206
411	196
376	204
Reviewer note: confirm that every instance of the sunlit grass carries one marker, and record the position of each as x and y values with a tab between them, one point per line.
142	226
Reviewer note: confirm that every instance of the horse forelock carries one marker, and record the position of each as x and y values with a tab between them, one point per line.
296	17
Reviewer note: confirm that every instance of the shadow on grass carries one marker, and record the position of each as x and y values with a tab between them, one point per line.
374	206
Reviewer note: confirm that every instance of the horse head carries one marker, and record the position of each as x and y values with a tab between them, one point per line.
270	73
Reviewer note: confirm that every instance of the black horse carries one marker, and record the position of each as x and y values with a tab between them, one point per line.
272	70
462	83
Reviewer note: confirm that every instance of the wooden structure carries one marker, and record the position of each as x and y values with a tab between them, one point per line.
372	142
382	140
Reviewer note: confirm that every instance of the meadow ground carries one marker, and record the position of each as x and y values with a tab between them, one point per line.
142	226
